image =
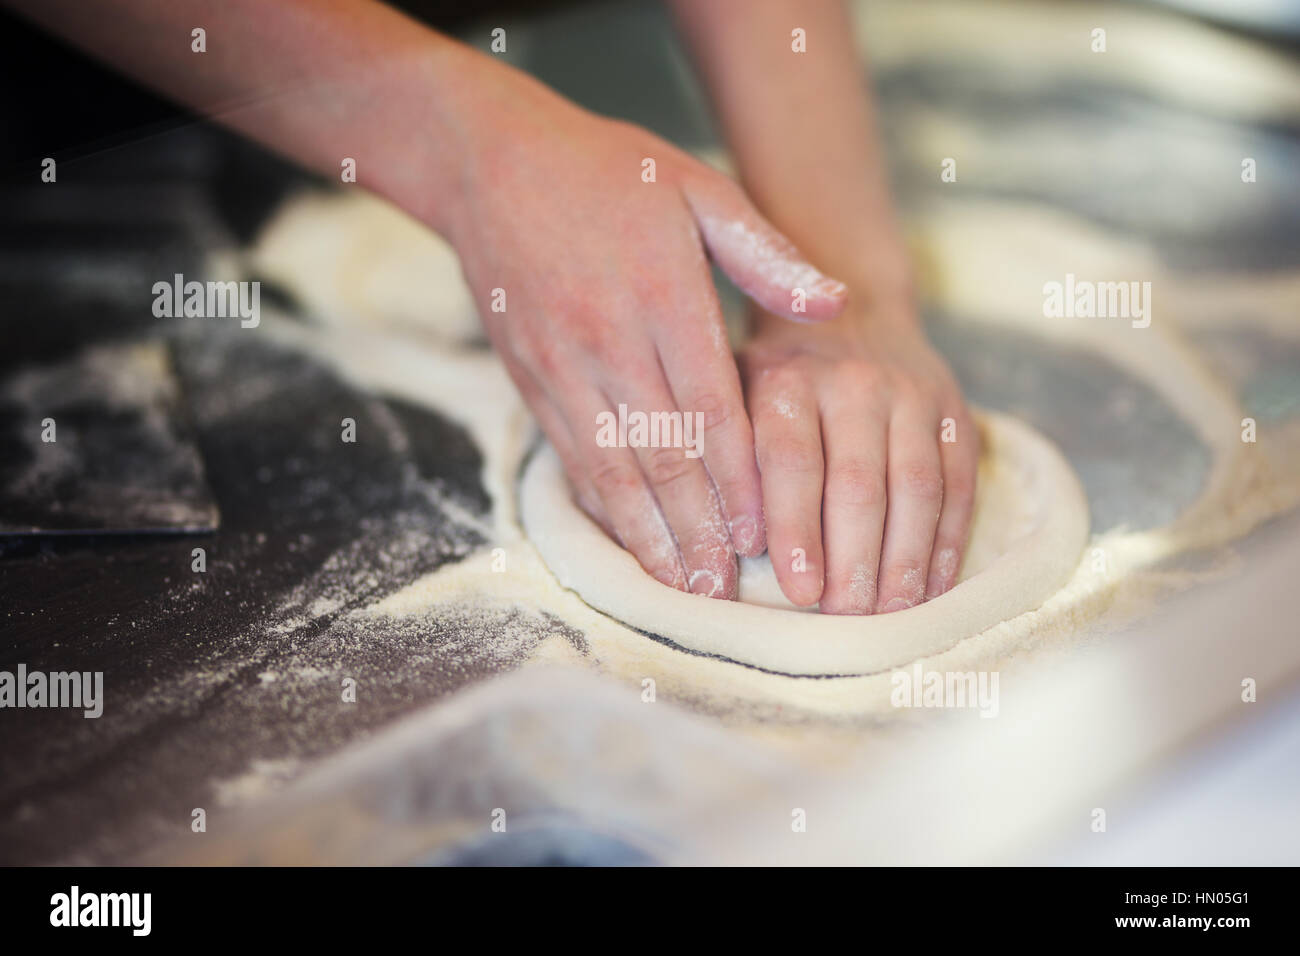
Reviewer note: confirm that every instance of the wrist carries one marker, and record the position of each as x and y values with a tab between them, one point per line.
487	121
428	102
450	109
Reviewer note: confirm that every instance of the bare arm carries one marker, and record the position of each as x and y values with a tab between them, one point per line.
599	270
315	80
802	130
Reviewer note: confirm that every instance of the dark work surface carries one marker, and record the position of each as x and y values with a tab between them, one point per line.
312	529
208	673
230	677
100	442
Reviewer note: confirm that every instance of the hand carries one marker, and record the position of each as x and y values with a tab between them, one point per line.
609	301
849	420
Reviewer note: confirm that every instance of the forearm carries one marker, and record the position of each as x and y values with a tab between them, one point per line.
315	80
802	130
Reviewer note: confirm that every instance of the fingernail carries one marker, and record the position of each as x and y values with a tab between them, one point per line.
809	592
945	571
744	535
862	588
832	287
895	604
705	582
914	585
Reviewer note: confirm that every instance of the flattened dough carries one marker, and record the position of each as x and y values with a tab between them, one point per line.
1030	526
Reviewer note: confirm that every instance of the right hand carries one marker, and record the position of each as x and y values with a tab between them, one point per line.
609	300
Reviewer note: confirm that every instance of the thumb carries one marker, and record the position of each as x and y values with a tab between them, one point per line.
763	263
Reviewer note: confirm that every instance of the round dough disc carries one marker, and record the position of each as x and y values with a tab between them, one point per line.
1029	528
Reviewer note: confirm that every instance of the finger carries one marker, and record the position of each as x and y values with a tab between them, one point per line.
702	377
556	429
584	491
914	485
960	463
787	437
853	504
683	489
625	495
763	263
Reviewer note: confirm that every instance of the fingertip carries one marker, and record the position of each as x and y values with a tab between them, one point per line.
708	583
824	302
857	595
828	301
674	580
803	588
749	535
943	573
843	610
901	588
834	290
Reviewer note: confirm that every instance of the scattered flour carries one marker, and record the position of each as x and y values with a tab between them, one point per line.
1120	573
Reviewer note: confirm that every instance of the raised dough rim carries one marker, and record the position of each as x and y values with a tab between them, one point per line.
795	643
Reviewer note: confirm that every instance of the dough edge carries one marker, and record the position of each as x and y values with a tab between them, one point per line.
796	643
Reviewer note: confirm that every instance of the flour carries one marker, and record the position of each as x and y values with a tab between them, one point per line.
263	777
1030	524
774	262
1116	576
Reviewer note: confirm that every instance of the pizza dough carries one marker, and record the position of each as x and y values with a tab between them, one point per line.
1030	526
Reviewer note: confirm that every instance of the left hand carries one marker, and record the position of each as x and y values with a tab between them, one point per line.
850	419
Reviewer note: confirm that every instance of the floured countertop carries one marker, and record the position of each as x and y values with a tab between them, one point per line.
354	585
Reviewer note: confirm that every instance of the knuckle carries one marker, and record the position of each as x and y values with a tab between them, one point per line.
547	359
857	484
770	419
776	407
717	411
613	478
791	454
594	335
784	377
666	466
860	397
907	391
921	480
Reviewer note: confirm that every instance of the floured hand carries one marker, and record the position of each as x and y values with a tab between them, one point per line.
868	458
584	241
